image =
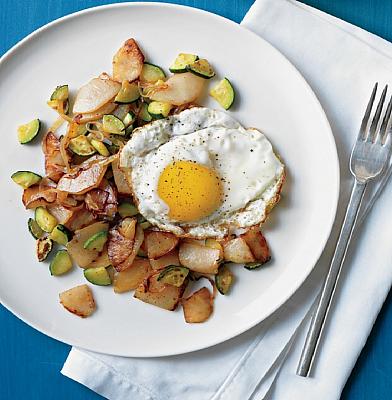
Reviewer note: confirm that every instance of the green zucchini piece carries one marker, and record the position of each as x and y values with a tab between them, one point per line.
25	178
127	210
151	73
223	93
112	124
27	132
61	234
100	147
61	263
60	93
224	279
145	224
81	146
128	119
182	61
45	220
128	93
98	276
144	114
201	68
97	241
43	248
34	229
173	275
159	109
253	265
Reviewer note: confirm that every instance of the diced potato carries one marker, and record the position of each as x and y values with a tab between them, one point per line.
158	294
214	244
102	260
159	243
83	257
123	251
170	258
198	307
237	251
80	219
128	62
199	258
62	214
132	277
78	300
257	244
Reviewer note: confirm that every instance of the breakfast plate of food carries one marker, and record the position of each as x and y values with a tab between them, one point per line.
162	193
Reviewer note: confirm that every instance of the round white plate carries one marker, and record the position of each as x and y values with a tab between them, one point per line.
272	96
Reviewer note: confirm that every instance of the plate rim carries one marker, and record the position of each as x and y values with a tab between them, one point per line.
299	282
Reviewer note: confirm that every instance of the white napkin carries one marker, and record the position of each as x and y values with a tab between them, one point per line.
341	63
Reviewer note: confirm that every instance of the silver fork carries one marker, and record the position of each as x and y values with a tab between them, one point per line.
369	157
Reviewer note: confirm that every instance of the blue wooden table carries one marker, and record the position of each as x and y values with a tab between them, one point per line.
29	361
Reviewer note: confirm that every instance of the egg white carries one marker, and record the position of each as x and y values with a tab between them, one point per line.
252	175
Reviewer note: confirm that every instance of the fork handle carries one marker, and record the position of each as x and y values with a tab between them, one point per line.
320	315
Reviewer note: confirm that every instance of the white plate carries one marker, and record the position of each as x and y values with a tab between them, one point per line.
272	96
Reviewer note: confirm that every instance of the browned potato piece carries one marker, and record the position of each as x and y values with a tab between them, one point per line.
159	243
80	219
119	249
198	307
199	258
128	62
237	251
170	258
79	254
132	277
62	214
123	251
127	228
158	294
102	260
257	244
78	300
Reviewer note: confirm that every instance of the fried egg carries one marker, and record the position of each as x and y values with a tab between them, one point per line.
201	174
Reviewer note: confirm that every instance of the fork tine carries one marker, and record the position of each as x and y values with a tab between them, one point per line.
365	120
376	119
385	122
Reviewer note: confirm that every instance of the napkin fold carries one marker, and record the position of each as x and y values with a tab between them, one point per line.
341	62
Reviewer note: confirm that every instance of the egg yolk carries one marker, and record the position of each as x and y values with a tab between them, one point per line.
191	191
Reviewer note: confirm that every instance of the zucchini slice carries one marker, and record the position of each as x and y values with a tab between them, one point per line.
100	147
98	276
201	68
112	124
45	220
151	73
127	210
27	132
61	263
159	109
128	93
173	275
97	241
182	61
61	234
81	146
34	229
128	119
253	265
55	104
223	93
224	279
60	93
43	248
144	114
25	178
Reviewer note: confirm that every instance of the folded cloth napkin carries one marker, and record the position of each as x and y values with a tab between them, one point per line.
341	63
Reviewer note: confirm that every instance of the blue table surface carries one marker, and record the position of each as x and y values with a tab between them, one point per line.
30	362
